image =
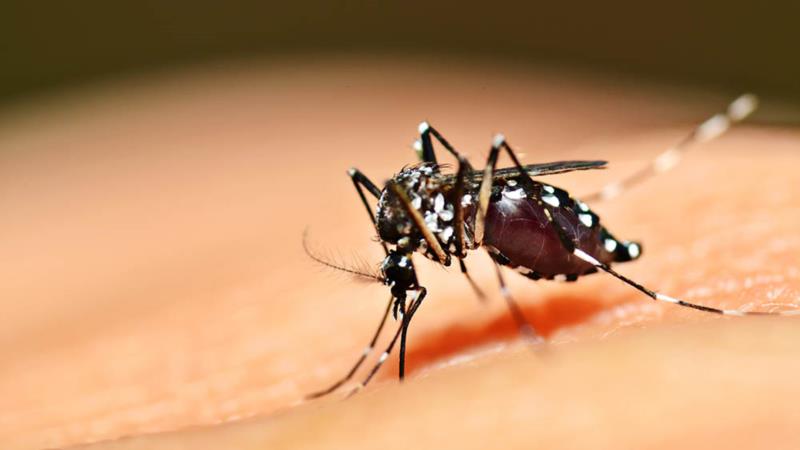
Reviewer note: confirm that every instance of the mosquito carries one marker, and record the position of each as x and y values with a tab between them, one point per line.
533	227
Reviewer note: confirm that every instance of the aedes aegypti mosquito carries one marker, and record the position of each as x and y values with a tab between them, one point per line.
533	227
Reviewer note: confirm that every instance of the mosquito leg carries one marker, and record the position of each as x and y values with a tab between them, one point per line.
498	144
385	355
361	182
460	233
525	328
713	127
419	222
382	359
424	146
458	207
665	298
367	350
485	189
478	291
404	333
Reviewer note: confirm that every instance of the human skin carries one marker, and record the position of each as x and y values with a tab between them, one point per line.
155	286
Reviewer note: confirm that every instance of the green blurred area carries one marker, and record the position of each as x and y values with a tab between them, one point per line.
720	44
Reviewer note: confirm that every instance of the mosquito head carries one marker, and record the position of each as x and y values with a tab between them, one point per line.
398	272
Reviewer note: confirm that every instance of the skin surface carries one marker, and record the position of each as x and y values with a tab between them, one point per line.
154	283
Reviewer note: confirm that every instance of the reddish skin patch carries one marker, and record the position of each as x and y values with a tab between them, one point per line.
453	339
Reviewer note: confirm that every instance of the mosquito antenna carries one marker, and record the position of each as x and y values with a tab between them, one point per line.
327	262
713	127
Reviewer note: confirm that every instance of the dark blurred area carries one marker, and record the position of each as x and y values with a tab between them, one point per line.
725	45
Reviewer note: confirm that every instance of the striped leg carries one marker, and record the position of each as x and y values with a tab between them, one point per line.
665	298
498	143
367	350
402	329
361	182
525	328
458	192
712	128
424	146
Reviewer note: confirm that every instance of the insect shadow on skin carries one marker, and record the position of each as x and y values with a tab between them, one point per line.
535	228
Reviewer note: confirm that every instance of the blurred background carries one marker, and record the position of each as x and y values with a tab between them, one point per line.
725	45
160	159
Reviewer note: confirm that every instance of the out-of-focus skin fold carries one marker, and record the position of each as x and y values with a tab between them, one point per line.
153	284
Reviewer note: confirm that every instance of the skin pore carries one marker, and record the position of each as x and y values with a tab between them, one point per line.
155	285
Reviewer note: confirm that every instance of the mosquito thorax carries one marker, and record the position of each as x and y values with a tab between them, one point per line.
427	192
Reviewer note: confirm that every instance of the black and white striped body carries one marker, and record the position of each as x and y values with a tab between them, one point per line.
520	225
521	232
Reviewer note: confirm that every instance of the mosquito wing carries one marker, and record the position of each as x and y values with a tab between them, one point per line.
536	170
550	168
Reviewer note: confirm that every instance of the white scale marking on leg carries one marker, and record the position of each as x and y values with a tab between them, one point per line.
666	298
611	190
383	357
498	140
586	257
713	127
423	127
667	160
742	107
367	351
